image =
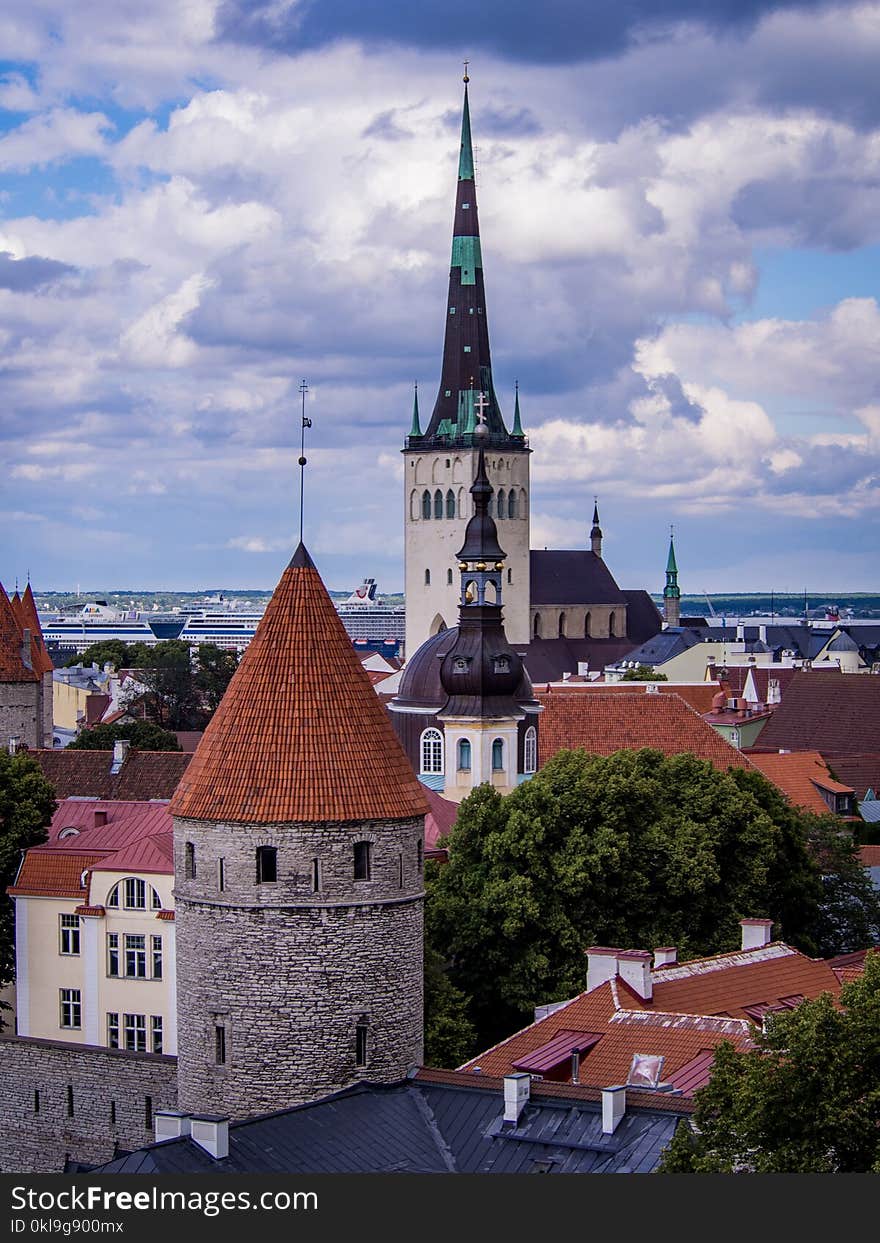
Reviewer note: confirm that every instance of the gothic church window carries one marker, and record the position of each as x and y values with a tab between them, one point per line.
450	504
438	504
449	578
511	504
587	626
427	578
612	621
537	626
501	505
562	625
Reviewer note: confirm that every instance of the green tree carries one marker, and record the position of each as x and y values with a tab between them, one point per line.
643	673
27	804
633	849
119	654
449	1034
214	669
805	1100
166	670
141	734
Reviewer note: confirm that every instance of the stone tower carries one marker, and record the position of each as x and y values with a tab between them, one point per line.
465	711
298	860
671	592
25	674
440	463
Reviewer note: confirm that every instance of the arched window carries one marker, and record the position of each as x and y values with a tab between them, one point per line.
498	755
362	860
537	626
562	625
438	504
523	510
432	751
449	578
510	576
611	624
450	504
530	750
587	626
132	894
501	507
427	578
464	755
511	504
426	504
414	505
459	504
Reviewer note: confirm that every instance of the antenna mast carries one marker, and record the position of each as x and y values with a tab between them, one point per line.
303	388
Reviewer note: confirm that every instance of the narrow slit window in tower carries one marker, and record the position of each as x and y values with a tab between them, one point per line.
362	861
267	864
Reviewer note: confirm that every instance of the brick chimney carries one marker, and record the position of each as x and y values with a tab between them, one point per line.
634	968
601	965
756	933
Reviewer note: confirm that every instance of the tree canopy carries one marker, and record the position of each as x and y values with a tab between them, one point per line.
644	673
805	1100
141	734
27	804
634	849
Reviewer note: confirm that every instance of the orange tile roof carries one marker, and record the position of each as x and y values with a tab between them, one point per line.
698	695
28	618
144	775
870	856
797	773
300	734
694	1006
52	874
605	723
12	667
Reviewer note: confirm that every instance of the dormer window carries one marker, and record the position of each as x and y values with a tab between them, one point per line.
502	664
460	664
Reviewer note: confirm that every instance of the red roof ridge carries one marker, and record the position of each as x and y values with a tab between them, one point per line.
682	1020
300	735
730	958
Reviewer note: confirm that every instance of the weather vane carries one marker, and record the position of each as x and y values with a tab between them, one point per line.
466	78
303	388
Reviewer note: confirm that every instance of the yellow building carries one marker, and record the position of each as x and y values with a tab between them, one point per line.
94	927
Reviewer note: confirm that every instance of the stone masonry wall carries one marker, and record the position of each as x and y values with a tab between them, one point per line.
60	1101
288	972
21	713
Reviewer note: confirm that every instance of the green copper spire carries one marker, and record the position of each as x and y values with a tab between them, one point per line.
466	159
672	590
517	423
415	430
671	567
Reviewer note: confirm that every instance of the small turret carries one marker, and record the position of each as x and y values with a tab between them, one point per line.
596	532
671	592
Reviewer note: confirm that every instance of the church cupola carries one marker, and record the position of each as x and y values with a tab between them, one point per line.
596	532
671	592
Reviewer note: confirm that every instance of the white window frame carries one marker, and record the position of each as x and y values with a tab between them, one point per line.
70	1009
431	752
69	935
135	956
530	750
135	1033
112	1029
156	1033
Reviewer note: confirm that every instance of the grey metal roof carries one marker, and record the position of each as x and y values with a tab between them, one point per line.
663	647
422	1127
574	577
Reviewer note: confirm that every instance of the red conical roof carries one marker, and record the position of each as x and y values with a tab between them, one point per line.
25	608
300	735
12	667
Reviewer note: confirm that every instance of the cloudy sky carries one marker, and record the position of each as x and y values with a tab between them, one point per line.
203	202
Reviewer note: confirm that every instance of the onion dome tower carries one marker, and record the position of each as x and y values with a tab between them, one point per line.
465	710
298	852
440	461
672	591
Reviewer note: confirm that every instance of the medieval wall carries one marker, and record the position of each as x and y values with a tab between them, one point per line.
60	1102
21	713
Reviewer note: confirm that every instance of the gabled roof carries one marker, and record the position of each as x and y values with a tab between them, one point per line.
25	608
643	618
800	775
575	577
836	713
87	774
300	734
546	660
663	646
605	723
698	695
862	772
49	873
12	667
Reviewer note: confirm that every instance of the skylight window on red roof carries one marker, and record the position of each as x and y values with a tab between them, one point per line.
644	1071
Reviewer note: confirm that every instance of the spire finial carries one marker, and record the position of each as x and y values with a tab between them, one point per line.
303	388
415	429
466	79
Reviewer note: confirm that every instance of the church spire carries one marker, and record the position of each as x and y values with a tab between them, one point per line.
596	532
415	430
467	365
671	592
517	421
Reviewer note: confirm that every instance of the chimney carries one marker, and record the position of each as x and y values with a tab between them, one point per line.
634	968
516	1096
566	676
740	632
773	693
613	1108
26	649
756	933
14	743
170	1124
100	817
665	956
601	966
211	1132
120	754
762	633
583	668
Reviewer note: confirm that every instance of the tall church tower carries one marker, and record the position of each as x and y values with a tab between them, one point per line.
298	867
441	462
672	591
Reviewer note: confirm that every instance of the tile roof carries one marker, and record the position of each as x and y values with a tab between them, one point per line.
300	734
53	873
798	774
440	818
547	659
735	677
861	772
86	774
698	695
605	723
837	713
694	1007
643	618
28	618
12	667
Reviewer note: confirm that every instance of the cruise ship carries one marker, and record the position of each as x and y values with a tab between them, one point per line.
96	622
366	617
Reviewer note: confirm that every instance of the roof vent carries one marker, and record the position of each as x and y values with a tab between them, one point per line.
211	1132
170	1124
120	754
